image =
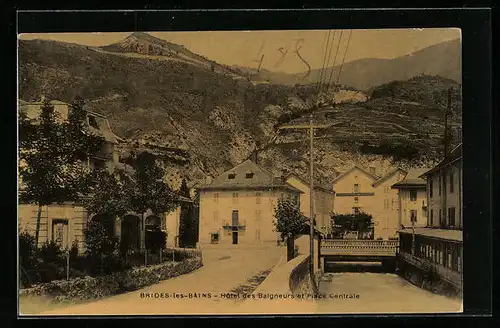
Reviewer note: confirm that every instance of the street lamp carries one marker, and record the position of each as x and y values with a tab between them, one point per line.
311	128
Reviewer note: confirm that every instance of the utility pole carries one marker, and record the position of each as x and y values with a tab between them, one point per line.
311	128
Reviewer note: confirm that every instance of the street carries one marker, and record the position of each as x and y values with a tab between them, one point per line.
198	292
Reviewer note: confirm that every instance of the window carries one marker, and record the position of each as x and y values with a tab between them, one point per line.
413	216
235	198
282	196
231	175
444	180
356	188
216	218
413	195
249	175
297	200
258	215
431	218
439	180
386	204
257	234
216	198
60	232
214	238
451	216
372	170
451	183
257	197
430	187
440	217
356	200
93	122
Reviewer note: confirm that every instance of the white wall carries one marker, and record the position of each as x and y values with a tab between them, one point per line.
255	215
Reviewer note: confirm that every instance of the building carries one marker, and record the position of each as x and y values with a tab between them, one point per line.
238	206
64	223
412	199
439	246
444	191
359	190
323	200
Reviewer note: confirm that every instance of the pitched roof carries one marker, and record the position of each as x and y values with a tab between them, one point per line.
412	179
446	234
455	155
317	183
260	178
356	166
388	175
103	130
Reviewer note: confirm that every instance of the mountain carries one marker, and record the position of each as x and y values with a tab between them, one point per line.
208	118
443	59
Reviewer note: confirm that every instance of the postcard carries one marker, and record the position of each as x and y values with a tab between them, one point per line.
240	172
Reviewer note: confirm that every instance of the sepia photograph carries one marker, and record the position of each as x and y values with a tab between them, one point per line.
251	172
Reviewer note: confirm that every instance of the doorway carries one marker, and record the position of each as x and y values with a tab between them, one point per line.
235	219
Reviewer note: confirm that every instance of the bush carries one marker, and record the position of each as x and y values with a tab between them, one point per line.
51	252
97	287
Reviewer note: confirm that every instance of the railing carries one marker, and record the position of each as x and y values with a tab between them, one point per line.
359	247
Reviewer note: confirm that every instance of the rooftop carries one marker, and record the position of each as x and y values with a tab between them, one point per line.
447	234
248	175
98	123
412	179
455	155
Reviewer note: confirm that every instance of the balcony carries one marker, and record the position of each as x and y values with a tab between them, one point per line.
239	226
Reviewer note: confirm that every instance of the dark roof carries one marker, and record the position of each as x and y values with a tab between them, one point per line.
412	179
455	155
260	178
388	175
446	234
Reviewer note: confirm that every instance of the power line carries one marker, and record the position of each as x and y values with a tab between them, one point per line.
327	38
335	59
329	55
343	59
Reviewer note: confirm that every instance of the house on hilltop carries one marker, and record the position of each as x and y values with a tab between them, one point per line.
238	206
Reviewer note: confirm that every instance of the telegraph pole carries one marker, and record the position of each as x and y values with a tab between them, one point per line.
311	128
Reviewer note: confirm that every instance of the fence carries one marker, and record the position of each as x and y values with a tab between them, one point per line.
357	247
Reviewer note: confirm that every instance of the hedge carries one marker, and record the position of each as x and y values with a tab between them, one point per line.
87	288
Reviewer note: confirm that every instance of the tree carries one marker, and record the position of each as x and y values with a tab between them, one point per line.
109	194
149	191
50	166
184	190
289	222
98	245
361	222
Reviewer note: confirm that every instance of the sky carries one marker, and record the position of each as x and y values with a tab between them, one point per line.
245	48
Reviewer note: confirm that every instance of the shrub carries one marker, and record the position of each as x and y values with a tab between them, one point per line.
51	252
119	282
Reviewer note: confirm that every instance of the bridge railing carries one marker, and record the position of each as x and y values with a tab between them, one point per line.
359	247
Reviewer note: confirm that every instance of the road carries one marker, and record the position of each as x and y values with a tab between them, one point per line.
225	268
379	292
